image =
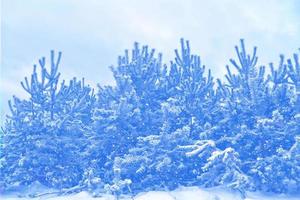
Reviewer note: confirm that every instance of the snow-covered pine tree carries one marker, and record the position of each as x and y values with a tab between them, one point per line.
130	109
193	91
188	96
45	136
258	112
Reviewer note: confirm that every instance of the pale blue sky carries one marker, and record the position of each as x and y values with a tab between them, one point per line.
93	33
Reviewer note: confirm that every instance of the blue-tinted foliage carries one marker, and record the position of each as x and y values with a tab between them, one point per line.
160	126
45	136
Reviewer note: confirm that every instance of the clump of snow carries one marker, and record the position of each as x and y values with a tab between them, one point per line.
154	195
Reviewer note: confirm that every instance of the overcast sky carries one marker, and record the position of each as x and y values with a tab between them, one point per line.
91	34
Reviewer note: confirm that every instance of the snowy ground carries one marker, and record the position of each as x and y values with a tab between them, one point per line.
186	193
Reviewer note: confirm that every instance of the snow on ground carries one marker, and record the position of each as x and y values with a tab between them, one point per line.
184	193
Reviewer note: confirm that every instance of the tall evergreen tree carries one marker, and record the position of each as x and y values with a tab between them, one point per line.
45	136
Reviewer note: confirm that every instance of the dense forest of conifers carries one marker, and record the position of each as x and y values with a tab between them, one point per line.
160	126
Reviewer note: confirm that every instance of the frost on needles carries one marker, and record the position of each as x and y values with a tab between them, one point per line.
160	127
